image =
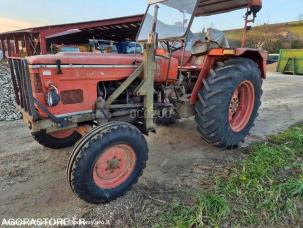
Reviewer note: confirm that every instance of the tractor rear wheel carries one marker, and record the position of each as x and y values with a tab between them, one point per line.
57	140
228	104
107	162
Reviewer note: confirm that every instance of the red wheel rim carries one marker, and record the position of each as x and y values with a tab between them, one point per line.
114	166
241	106
62	134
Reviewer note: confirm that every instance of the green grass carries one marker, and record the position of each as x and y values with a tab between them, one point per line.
264	189
207	209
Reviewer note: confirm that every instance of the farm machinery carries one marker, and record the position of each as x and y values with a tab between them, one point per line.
105	103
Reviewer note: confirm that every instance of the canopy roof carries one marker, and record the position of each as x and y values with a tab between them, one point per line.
210	7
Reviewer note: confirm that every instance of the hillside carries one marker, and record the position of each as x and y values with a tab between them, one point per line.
271	37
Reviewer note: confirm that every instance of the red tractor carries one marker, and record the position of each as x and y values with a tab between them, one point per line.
106	102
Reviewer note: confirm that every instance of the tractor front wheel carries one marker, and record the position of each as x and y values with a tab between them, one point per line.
229	101
57	140
107	162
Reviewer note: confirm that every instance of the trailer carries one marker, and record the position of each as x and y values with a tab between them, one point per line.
291	61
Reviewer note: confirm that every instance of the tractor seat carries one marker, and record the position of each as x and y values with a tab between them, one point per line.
213	38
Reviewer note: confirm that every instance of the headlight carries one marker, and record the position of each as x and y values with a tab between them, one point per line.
52	96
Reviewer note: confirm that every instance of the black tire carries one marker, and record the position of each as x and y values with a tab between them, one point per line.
51	142
91	147
212	107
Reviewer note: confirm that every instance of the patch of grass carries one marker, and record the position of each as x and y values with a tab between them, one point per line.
264	189
297	29
207	210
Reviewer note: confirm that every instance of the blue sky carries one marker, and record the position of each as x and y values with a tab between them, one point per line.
19	13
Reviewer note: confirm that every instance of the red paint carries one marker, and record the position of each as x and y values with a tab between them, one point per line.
207	65
215	55
85	58
241	106
43	48
62	134
114	166
87	79
257	55
179	55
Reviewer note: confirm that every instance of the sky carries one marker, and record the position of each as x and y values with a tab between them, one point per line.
18	14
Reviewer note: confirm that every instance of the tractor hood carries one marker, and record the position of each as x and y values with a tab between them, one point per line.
85	59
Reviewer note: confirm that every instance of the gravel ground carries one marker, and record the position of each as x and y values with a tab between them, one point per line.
8	110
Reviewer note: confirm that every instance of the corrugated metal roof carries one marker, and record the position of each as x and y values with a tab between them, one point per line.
79	25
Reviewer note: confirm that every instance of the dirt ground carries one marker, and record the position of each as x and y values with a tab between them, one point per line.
33	179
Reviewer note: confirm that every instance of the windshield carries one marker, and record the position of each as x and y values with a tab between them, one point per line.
174	19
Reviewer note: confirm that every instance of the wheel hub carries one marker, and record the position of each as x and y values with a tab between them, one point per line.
241	106
114	166
234	105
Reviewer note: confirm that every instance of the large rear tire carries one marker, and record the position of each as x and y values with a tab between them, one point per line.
57	140
107	162
229	102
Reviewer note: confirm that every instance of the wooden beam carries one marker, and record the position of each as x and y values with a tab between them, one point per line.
8	43
27	45
17	49
43	47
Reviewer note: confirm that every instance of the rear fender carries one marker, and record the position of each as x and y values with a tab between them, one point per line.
258	56
220	54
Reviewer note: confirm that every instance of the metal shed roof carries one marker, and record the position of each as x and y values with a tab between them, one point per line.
53	29
37	40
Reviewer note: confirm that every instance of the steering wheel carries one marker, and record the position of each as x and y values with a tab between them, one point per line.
176	49
171	47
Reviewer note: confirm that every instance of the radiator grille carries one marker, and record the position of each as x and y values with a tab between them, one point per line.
22	85
72	96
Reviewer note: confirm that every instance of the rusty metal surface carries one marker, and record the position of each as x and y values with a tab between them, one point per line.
72	96
210	7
